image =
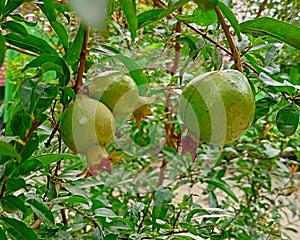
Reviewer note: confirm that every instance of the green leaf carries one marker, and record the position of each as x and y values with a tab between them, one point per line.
73	54
30	43
42	211
104	212
61	33
231	18
2	48
148	17
223	186
53	158
52	63
37	96
18	230
276	86
198	212
172	8
2	234
29	166
287	119
263	107
15	27
265	26
7	150
129	10
11	6
48	9
2	4
13	204
206	4
72	199
162	198
191	229
134	69
200	17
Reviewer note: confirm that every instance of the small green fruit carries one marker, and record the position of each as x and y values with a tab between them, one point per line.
87	123
218	107
117	91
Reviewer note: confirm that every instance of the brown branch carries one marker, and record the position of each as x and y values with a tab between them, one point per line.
55	129
262	7
145	214
82	61
177	46
28	134
234	52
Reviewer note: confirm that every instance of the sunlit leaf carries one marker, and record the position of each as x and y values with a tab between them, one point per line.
265	26
15	27
128	7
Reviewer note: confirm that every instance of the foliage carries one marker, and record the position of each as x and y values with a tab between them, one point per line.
241	190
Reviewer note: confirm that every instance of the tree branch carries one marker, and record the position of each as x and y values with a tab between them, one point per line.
234	52
82	61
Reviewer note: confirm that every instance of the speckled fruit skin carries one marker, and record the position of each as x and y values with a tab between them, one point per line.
87	123
218	107
116	90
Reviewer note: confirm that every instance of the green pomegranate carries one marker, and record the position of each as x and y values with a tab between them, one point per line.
117	91
87	126
206	4
217	107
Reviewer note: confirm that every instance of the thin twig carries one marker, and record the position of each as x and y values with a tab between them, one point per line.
82	61
145	214
177	46
234	52
20	50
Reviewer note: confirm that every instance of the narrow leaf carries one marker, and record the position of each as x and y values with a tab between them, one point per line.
18	230
223	186
55	63
2	234
287	119
7	150
104	212
2	4
73	54
48	9
30	43
231	18
265	26
13	204
42	212
61	33
172	8
15	27
53	158
134	69
2	48
148	17
129	10
11	6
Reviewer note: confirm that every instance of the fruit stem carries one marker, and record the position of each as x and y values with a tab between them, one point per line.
98	160
82	60
235	53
